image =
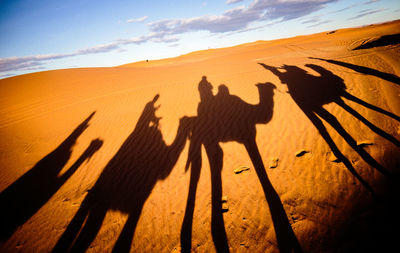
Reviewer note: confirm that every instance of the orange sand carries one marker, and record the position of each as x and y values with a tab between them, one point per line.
328	208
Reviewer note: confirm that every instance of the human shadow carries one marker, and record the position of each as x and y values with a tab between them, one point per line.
312	92
364	70
223	118
23	198
126	182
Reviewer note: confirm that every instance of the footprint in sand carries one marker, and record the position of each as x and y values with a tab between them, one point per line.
301	152
241	169
225	206
364	143
332	158
274	163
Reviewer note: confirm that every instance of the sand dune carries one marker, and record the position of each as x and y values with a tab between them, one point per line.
138	157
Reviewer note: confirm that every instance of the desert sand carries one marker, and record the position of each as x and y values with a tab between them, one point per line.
103	159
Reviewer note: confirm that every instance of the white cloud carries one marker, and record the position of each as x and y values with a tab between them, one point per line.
153	37
371	1
35	61
319	23
240	17
312	20
364	13
315	21
346	8
233	1
234	20
26	62
5	76
355	5
98	49
137	20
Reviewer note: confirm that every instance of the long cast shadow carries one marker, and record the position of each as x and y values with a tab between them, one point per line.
385	40
364	70
312	92
223	118
126	182
23	198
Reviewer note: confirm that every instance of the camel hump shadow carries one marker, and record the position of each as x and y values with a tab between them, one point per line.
226	117
311	91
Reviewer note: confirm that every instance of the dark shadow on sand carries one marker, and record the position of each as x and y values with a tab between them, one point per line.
312	92
223	118
126	182
364	70
22	199
385	40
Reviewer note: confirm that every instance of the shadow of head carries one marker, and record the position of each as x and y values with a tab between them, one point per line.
205	89
266	87
223	90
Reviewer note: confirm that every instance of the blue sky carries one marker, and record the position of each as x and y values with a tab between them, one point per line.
54	34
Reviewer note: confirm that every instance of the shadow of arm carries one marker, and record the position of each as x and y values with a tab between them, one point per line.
94	146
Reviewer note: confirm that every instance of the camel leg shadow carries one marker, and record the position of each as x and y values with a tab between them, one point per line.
328	117
370	106
371	126
186	230
287	241
335	150
215	157
91	218
364	70
125	239
90	230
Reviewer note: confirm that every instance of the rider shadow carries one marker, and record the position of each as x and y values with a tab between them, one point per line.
126	182
311	92
223	118
23	198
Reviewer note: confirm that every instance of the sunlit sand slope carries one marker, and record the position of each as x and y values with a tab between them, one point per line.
89	162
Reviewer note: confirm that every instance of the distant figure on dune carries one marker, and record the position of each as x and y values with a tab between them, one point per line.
126	182
23	198
311	92
222	118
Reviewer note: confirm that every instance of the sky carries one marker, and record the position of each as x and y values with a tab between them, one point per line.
57	34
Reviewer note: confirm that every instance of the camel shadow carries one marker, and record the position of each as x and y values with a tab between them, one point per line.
311	92
126	182
364	70
23	198
223	118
